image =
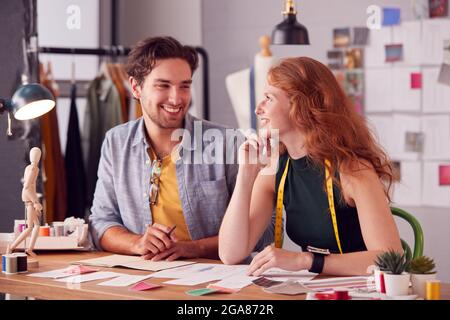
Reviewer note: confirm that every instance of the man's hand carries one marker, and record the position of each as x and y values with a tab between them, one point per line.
179	249
154	240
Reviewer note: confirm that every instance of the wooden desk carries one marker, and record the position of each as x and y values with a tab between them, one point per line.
41	288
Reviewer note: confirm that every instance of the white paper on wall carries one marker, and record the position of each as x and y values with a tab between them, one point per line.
434	32
436	130
382	128
378	90
401	125
409	34
374	55
408	191
404	98
432	193
436	96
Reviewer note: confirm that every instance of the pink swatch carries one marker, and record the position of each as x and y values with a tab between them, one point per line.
444	175
416	80
142	286
79	270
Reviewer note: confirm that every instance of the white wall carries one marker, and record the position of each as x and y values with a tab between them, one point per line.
180	19
53	32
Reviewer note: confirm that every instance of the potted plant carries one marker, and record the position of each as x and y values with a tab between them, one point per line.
396	280
421	270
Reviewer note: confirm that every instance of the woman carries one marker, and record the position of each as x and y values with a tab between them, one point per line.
347	214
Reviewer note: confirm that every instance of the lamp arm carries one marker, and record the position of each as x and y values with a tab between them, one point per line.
5	105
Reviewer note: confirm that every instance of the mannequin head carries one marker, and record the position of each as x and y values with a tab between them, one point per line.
35	155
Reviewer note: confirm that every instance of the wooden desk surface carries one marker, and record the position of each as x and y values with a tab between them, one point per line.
42	288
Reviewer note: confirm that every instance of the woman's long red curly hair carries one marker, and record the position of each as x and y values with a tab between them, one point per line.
333	129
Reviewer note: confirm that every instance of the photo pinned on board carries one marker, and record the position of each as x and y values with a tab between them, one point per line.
360	36
335	59
444	74
341	37
394	52
438	8
353	58
414	141
444	175
354	88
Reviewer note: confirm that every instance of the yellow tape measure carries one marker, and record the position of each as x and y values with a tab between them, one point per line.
279	207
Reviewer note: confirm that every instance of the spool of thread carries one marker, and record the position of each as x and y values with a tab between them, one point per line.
433	290
341	295
59	230
22	226
9	264
44	231
22	262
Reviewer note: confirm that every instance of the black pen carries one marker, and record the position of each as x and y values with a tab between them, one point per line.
171	230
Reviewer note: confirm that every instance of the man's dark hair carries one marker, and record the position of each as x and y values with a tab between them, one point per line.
143	57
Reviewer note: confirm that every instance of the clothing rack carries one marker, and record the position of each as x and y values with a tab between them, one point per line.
116	51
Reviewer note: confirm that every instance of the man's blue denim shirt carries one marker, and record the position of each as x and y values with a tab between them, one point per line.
206	174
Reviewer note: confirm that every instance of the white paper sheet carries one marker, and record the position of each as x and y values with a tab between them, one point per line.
434	32
436	96
382	128
437	136
433	194
401	125
193	280
408	33
403	97
409	190
110	261
190	270
374	54
206	273
446	51
235	282
124	280
90	277
379	90
133	262
54	274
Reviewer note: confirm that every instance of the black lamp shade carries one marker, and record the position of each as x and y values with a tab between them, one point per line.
290	32
31	101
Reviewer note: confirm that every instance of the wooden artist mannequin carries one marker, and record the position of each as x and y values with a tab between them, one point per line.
238	84
32	204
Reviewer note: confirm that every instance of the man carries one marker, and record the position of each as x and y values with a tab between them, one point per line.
149	200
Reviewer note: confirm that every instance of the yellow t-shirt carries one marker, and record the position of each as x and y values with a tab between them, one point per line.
168	210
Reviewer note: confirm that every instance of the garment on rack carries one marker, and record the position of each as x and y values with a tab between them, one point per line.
103	111
118	83
76	182
54	171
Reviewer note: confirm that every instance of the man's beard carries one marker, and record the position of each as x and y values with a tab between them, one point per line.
159	120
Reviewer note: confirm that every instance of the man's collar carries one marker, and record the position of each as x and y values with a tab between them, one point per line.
140	133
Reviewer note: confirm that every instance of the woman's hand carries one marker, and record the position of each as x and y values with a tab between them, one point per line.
257	152
272	257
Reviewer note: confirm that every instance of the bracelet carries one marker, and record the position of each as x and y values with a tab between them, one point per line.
318	262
